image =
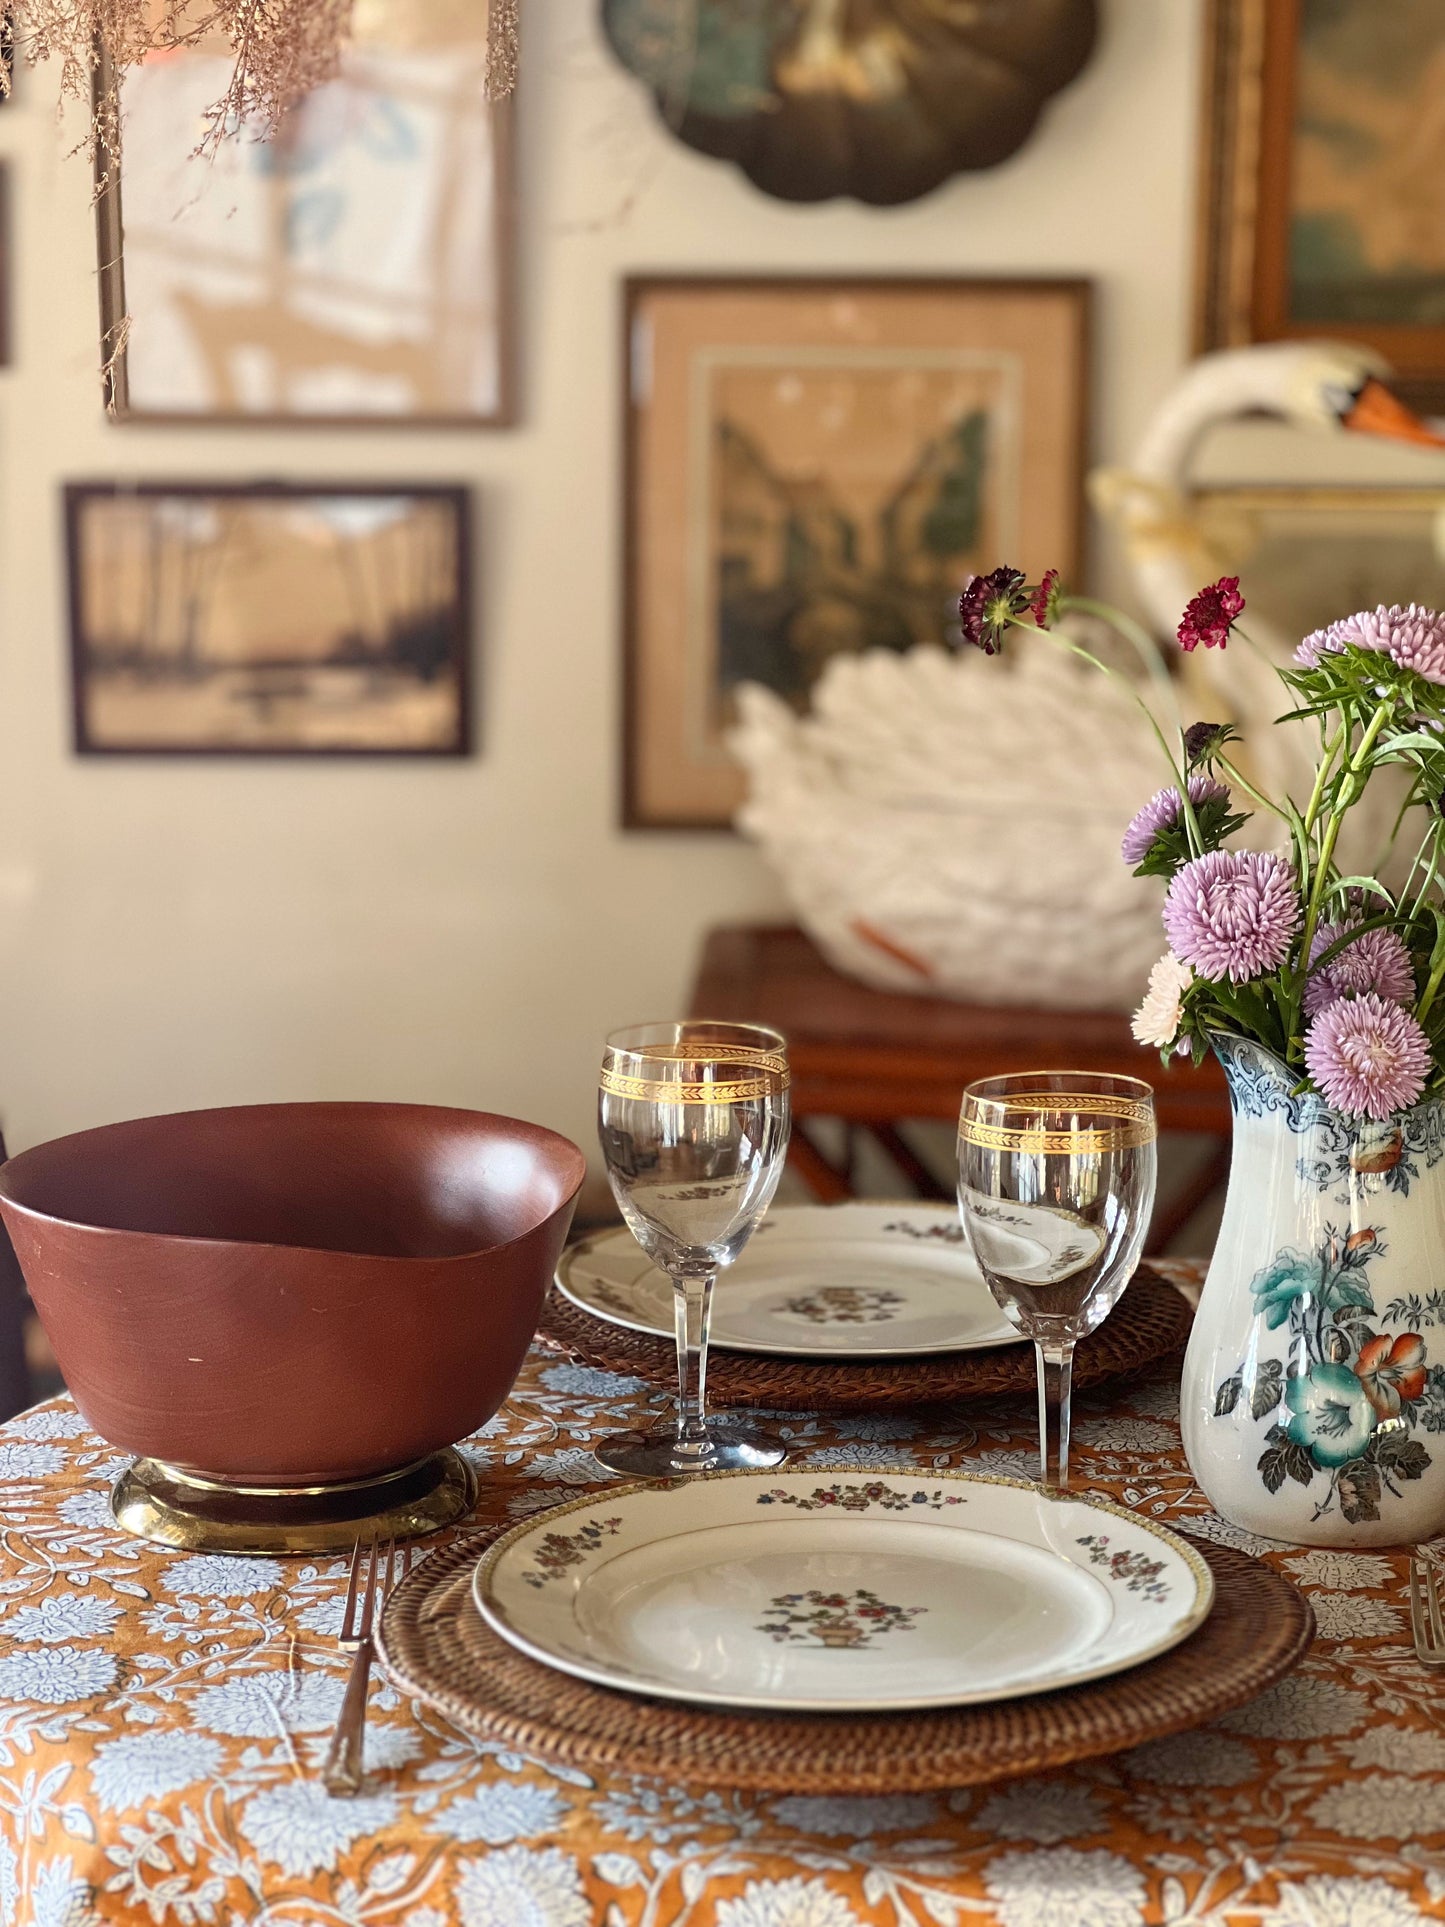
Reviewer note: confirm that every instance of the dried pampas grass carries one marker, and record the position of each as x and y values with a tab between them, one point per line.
282	49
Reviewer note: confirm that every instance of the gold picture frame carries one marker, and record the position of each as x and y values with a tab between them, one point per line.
813	467
1312	196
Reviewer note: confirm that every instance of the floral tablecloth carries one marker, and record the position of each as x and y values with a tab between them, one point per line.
163	1716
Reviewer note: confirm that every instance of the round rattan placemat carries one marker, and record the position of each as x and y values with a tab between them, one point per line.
437	1647
1150	1321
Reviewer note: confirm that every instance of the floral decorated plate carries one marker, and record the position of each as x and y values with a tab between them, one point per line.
815	1281
841	1592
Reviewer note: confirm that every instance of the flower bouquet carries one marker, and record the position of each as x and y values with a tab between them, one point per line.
1309	1376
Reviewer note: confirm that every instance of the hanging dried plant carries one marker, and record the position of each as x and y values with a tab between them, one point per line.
281	50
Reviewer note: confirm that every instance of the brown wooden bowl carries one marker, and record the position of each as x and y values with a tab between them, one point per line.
292	1294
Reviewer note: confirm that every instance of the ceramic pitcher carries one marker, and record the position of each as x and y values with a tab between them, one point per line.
1313	1401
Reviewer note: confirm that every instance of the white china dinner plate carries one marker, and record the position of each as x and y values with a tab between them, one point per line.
814	1281
841	1591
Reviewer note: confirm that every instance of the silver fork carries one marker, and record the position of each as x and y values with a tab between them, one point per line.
1427	1615
384	1568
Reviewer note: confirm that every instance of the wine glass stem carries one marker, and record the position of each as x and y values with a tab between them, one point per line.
1056	1373
692	1316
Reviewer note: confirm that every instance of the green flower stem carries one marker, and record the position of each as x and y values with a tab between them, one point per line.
1328	753
1347	795
1431	991
1234	775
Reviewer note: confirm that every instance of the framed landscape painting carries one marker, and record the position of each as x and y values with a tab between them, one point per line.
269	619
355	267
1323	206
813	468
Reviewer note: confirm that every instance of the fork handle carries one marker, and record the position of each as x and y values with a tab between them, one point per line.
342	1774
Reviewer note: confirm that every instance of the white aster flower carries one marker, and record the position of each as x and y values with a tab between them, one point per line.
56	1675
59	1898
590	1381
786	1903
1399	1750
522	1887
1047	1812
1346	1615
50	1422
1128	1435
502	1812
1156	1021
141	1767
857	1816
1302	1707
301	1829
21	1460
1199	1758
88	1509
266	1706
1063	1887
1381	1806
210	1575
1327	1567
1327	1901
61	1616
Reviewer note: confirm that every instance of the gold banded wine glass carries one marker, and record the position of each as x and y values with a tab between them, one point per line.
693	1119
1056	1175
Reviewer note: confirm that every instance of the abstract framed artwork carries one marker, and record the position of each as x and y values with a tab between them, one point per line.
355	268
1323	193
269	618
813	466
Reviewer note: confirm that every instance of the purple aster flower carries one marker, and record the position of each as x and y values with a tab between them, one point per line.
1320	642
1378	961
1162	812
1368	1056
1232	913
1413	637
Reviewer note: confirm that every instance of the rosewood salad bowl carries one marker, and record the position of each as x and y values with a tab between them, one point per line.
289	1311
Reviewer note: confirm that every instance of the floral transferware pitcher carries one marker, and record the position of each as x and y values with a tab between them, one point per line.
1314	1385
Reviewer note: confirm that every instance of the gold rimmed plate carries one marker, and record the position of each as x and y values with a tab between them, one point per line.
848	1591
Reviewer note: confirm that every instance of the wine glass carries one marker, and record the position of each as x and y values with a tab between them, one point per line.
693	1119
1056	1177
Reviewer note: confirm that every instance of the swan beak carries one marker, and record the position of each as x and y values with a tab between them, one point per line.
1375	411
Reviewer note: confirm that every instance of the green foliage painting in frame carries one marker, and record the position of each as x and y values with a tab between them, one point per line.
814	466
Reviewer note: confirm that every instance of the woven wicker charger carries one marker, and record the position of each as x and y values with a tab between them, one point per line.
437	1647
1150	1322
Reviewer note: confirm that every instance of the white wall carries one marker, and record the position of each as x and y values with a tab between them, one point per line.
211	932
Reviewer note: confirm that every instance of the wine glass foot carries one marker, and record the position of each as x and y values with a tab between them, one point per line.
729	1447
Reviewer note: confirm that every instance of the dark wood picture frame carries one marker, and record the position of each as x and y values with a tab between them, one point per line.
637	810
457	497
110	253
1242	247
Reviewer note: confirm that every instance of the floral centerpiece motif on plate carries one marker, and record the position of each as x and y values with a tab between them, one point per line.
1314	1385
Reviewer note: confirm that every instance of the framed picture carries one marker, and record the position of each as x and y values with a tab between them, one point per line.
813	467
355	268
1306	555
269	618
1323	193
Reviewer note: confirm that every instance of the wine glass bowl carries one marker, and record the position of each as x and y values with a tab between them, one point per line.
1055	1188
693	1119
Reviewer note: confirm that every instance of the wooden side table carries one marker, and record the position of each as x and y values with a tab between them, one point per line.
876	1057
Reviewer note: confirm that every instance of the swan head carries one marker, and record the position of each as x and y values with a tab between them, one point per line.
1323	386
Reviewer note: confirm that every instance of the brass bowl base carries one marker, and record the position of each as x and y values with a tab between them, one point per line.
171	1508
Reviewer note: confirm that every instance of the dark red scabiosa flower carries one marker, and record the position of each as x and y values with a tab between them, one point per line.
988	604
1209	616
1044	602
1204	741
